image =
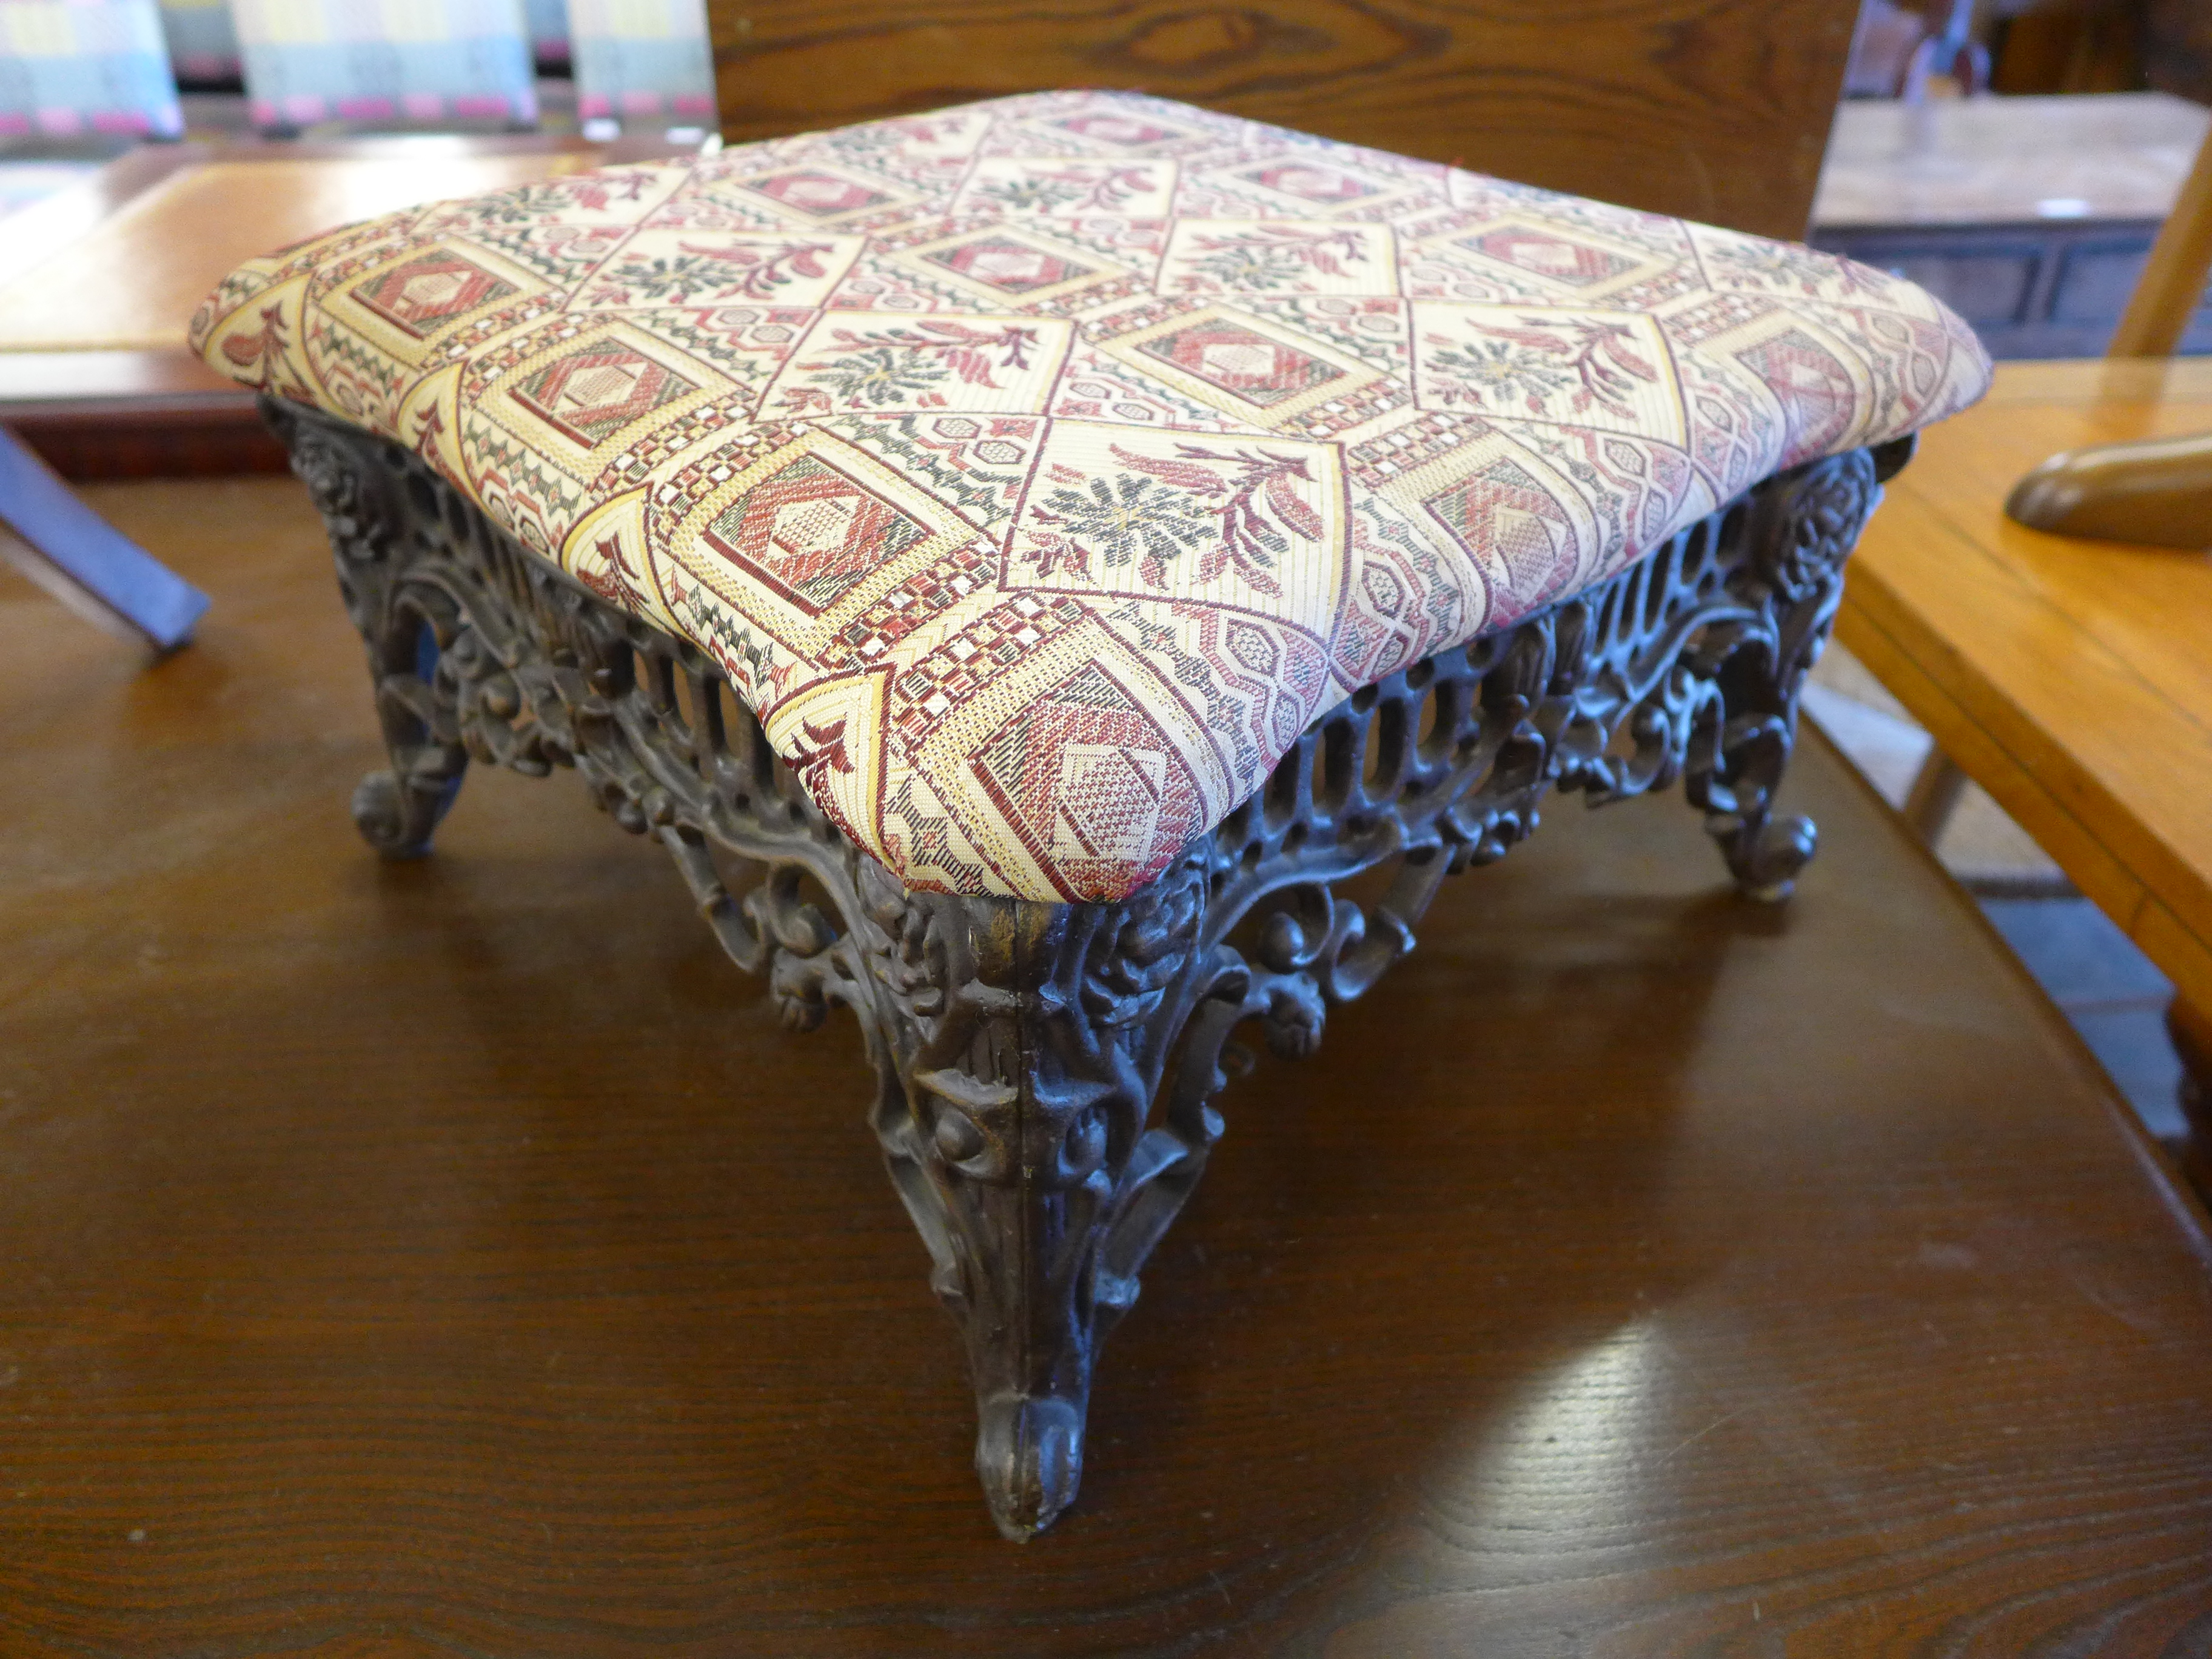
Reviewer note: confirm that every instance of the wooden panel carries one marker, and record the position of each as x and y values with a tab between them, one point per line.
150	438
1715	110
456	1257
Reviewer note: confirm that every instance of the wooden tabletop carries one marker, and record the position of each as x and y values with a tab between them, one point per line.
457	1257
2072	679
121	262
99	281
2117	155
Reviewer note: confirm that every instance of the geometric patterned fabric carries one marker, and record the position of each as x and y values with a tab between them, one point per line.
1037	469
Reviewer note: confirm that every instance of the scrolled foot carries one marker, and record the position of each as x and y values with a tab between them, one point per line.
396	821
1765	858
1029	1455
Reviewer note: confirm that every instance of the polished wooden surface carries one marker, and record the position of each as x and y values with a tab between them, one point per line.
98	282
131	281
1955	162
457	1258
2070	678
1715	110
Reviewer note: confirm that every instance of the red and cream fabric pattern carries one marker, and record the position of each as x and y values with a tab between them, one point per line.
1037	469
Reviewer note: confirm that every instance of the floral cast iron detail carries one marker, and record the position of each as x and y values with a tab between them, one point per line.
1047	1072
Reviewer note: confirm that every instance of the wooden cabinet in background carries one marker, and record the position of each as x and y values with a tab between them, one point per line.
2042	288
2031	216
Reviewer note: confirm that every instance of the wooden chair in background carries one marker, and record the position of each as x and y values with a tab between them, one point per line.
1708	109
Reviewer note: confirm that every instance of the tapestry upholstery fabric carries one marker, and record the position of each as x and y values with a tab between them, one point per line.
1037	469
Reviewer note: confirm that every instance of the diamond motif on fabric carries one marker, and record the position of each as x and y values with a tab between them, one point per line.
817	195
430	290
1251	647
1012	268
1311	183
1109	801
1116	130
591	394
1506	519
1242	361
1578	264
1819	398
810	533
1082	774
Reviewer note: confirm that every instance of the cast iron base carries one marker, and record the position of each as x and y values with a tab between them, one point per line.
1022	1048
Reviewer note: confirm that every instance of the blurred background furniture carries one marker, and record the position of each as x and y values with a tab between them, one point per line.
106	254
72	68
202	41
2032	213
2156	492
384	61
2172	291
641	61
547	21
2032	217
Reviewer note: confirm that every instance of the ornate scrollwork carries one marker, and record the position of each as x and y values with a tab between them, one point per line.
1047	1072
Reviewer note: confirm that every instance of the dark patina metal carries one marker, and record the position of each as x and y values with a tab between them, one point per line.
1047	1072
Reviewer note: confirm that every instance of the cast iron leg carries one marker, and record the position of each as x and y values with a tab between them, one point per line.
1805	525
397	811
1027	1044
407	624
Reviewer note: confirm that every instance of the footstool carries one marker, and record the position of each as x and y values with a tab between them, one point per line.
1069	575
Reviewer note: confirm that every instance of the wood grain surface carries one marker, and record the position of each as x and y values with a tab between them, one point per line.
131	281
2171	286
2070	678
98	282
456	1259
1717	109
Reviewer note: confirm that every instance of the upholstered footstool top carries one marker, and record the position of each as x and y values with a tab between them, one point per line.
1037	470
